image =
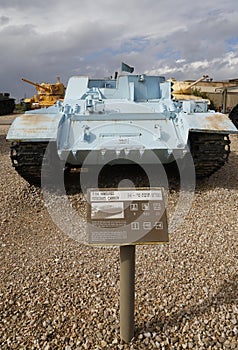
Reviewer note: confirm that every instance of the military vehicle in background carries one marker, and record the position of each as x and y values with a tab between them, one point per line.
7	103
47	94
131	118
182	90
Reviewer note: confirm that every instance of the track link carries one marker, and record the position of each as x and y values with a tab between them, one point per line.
27	160
210	152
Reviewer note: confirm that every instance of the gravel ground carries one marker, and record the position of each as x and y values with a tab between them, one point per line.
56	293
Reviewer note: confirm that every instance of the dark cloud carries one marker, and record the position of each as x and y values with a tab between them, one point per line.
42	42
4	20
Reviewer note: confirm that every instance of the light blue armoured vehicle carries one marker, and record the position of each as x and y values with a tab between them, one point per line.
120	120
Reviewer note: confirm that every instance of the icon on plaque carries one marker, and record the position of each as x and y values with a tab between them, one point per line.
145	206
156	206
133	206
135	225
159	225
147	225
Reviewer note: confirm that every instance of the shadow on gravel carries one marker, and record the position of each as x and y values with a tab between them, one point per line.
123	176
112	176
4	145
76	181
226	177
227	294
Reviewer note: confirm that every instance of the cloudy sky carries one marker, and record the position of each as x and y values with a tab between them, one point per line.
183	39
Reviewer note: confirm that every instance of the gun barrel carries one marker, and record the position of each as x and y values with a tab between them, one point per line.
200	79
35	84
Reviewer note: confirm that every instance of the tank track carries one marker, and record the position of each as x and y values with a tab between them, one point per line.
27	160
210	151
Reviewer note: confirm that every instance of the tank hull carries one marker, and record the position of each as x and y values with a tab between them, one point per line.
129	120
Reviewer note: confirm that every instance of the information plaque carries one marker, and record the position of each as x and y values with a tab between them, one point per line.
126	216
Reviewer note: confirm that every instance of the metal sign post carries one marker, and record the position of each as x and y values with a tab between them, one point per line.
126	217
127	292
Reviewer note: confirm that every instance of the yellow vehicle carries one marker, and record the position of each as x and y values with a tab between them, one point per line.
47	94
182	90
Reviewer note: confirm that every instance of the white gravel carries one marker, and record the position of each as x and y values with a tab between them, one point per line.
56	293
